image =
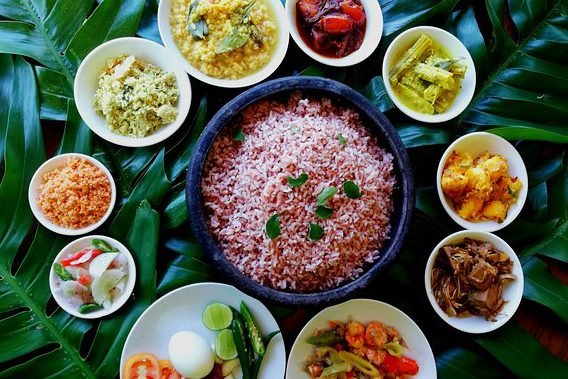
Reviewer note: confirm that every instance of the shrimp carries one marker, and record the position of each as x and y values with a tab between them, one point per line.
376	357
394	335
315	370
376	334
354	334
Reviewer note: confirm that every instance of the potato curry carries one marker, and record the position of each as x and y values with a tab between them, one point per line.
480	188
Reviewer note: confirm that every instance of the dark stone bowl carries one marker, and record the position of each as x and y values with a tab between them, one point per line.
404	194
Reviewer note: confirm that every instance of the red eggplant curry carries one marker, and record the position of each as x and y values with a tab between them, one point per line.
333	28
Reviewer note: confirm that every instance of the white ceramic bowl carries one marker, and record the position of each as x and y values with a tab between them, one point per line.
364	310
373	33
453	45
79	245
512	292
477	144
37	180
277	56
182	309
86	84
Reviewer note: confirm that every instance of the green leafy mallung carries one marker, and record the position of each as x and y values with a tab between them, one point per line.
520	95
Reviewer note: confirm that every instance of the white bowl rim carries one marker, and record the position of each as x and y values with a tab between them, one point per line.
167	130
37	179
361	301
254	78
515	301
458	108
118	303
487	226
372	10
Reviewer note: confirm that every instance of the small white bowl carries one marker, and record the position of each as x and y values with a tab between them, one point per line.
86	84
37	180
512	292
453	45
277	56
477	144
373	33
79	245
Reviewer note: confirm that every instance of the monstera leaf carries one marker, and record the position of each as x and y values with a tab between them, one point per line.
520	51
37	339
55	34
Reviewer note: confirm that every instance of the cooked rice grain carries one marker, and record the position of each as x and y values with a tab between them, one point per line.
245	183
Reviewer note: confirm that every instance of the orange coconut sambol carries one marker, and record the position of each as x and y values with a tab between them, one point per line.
355	350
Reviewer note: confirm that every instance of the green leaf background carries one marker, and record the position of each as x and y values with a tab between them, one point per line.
520	48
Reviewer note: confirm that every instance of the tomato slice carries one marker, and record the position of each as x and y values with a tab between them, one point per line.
167	371
400	366
390	364
142	366
84	279
69	260
354	11
336	24
408	366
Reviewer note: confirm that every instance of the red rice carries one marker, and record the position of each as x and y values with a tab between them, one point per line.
245	183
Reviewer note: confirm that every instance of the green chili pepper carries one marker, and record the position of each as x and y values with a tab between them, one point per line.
86	308
242	345
394	348
324	339
253	331
266	340
336	369
103	246
61	272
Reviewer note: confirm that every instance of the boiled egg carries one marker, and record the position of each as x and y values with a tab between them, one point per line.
191	355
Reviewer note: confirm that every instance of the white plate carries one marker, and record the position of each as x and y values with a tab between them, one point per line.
37	180
364	310
454	46
86	84
512	292
78	245
373	33
477	144
182	310
275	61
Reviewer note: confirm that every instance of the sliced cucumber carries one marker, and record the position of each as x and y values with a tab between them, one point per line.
72	288
103	285
121	284
217	316
100	263
225	345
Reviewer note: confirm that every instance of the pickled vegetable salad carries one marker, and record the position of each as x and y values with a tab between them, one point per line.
92	278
